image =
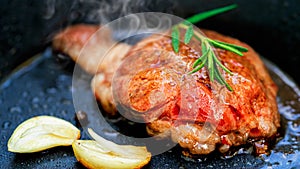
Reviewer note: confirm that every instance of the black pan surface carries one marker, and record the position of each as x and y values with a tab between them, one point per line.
43	86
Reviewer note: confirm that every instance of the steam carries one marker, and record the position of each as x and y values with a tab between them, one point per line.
104	11
49	9
111	10
141	24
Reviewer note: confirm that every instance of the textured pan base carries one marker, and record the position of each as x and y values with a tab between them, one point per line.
43	87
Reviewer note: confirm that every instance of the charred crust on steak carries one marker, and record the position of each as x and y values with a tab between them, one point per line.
249	114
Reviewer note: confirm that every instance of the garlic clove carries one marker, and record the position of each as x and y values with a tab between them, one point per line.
106	154
40	133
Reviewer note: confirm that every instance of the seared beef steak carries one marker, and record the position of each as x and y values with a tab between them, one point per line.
152	83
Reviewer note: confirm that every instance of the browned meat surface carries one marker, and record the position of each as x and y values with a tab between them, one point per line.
152	81
97	53
88	46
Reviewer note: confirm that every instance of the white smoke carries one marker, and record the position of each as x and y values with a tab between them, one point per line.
49	9
104	11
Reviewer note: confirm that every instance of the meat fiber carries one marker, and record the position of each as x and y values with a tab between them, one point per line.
152	83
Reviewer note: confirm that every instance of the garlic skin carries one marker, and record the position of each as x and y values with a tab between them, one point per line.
40	133
101	153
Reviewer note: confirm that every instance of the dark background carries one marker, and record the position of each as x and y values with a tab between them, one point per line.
272	27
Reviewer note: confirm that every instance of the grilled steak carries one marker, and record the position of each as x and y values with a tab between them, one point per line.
152	83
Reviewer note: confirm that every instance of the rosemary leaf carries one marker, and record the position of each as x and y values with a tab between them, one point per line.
200	62
222	46
221	65
201	59
203	47
198	67
204	15
175	39
240	48
204	53
222	81
210	66
188	34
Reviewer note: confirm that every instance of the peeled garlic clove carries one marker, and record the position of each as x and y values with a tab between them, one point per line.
94	154
128	150
40	133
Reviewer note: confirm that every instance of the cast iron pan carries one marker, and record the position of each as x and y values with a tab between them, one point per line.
43	86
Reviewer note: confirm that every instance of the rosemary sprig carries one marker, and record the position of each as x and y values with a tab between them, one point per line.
207	14
208	58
